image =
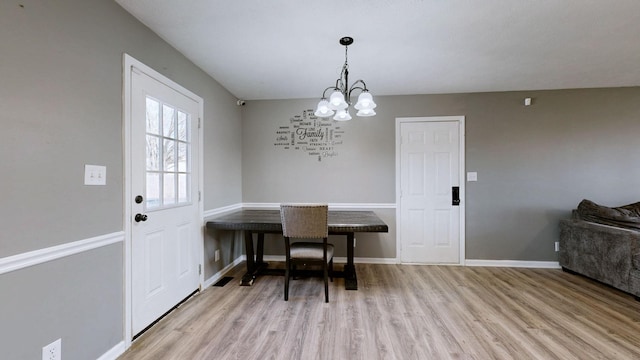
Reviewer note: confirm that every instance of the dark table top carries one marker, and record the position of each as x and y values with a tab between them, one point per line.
269	221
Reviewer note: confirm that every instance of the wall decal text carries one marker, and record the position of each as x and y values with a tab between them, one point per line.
315	136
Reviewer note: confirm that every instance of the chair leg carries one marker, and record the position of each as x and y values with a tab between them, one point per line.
286	283
326	283
331	269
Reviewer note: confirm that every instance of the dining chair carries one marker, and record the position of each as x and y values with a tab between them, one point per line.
306	221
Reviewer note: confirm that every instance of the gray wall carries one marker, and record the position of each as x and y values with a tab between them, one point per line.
534	163
360	173
77	298
61	108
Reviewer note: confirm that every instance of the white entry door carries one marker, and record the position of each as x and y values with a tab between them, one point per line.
164	205
430	194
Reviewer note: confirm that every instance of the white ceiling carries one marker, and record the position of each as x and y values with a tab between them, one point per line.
284	49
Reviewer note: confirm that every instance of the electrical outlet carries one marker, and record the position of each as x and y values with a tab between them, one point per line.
52	351
557	246
217	255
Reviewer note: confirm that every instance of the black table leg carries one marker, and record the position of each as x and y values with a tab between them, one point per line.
255	263
248	277
350	278
260	253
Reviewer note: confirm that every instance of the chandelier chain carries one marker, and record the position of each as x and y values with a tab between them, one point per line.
346	62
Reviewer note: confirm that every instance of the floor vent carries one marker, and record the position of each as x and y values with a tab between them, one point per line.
222	282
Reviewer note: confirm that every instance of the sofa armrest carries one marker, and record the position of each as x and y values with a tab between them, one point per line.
598	251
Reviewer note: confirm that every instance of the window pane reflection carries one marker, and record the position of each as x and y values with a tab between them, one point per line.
169	155
153	116
183	129
153	153
183	188
169	187
168	115
182	157
153	190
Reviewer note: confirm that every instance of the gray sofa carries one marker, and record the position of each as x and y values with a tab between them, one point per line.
602	251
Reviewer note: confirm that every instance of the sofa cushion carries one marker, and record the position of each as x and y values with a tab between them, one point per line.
627	216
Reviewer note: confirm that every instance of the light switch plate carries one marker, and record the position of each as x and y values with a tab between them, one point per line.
472	176
95	175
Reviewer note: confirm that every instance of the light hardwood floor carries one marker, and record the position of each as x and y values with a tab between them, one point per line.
403	312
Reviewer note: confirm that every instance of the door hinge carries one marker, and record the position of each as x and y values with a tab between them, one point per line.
199	195
199	122
199	269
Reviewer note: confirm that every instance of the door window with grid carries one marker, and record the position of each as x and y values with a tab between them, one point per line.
168	149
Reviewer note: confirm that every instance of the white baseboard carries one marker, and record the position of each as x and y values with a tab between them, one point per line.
393	261
217	276
341	260
513	263
114	352
31	258
367	260
280	258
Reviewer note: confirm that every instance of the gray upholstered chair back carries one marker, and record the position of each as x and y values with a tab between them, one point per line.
307	221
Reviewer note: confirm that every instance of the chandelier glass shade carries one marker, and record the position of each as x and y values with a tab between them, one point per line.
337	105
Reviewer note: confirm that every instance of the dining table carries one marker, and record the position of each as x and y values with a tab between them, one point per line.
268	221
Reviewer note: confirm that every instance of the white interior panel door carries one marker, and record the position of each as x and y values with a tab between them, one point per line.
429	170
165	230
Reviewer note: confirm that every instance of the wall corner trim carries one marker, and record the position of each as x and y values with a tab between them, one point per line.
31	258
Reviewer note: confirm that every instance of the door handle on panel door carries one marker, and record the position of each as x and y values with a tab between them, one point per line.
455	196
140	217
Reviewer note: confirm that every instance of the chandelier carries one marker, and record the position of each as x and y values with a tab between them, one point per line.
340	99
